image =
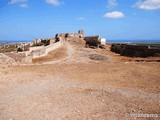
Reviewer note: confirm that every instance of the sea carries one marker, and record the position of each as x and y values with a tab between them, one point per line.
14	41
133	41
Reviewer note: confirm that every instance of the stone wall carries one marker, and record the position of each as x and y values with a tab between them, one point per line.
52	40
43	51
23	47
68	36
134	50
40	51
42	42
92	41
81	33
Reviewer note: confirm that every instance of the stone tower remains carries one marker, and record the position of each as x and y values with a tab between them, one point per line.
81	33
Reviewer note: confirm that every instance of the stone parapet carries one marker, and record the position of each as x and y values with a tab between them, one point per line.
43	51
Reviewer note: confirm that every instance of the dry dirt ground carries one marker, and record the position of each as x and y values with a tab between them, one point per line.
77	83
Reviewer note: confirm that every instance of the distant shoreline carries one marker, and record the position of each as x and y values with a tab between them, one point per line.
12	41
133	41
108	41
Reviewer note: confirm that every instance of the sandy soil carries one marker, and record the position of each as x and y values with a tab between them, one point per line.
77	83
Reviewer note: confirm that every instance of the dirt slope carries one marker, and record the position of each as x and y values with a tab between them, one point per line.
72	86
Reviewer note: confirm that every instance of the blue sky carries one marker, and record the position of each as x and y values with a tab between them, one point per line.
112	19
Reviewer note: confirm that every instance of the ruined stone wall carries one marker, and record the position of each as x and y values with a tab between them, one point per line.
81	33
68	36
90	38
92	41
43	51
23	47
36	42
134	50
41	42
52	40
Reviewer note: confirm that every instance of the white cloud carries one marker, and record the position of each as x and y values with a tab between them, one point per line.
16	1
53	2
112	3
148	4
24	5
114	15
81	18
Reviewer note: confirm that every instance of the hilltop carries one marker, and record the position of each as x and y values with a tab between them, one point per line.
74	82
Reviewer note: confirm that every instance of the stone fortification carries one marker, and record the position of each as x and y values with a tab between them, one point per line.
44	50
68	36
42	42
134	50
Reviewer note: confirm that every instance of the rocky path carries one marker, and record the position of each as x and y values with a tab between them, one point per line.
70	51
78	55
